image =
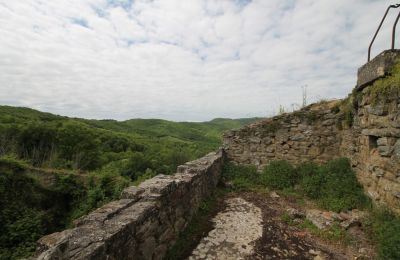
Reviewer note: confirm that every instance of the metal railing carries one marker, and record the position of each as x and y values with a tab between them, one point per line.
379	27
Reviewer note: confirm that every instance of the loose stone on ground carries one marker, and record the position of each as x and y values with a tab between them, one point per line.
234	233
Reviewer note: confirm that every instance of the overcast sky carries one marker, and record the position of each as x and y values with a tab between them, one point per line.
185	60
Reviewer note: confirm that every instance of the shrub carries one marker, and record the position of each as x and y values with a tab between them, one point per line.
12	163
311	179
334	185
389	240
22	220
384	228
279	175
243	177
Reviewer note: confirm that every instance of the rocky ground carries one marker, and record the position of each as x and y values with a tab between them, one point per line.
253	226
235	230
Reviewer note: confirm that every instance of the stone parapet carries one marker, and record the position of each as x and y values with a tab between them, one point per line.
377	68
145	222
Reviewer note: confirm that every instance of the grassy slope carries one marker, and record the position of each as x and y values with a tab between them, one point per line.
121	152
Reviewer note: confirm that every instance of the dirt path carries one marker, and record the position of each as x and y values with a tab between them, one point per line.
251	227
235	230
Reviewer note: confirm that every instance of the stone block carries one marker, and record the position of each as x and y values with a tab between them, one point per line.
132	192
377	68
385	151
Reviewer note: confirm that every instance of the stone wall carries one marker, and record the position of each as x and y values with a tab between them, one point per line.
373	145
310	134
319	133
377	68
145	222
363	128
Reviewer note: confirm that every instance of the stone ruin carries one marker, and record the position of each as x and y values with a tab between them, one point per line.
145	222
148	218
318	133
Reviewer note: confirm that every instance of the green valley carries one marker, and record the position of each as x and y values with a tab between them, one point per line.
54	169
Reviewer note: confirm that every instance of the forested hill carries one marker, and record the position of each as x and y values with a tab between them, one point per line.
40	137
107	154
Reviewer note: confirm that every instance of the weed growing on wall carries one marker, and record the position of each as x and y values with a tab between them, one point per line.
386	87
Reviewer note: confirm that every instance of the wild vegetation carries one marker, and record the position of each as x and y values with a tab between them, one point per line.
386	87
90	161
332	186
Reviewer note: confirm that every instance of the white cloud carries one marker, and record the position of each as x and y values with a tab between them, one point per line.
182	60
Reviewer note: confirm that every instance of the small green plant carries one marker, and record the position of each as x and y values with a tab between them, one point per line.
333	185
243	177
333	233
386	87
279	175
307	224
346	106
287	219
384	228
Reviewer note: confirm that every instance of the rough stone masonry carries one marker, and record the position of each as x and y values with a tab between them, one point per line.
318	133
144	223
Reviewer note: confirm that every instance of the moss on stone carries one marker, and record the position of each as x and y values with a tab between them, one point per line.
386	87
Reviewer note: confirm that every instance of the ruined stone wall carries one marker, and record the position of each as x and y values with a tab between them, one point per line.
310	134
319	133
373	145
145	222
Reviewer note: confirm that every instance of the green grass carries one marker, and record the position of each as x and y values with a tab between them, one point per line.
279	175
332	186
333	233
387	87
242	177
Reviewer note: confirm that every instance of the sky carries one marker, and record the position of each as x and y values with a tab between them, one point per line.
183	60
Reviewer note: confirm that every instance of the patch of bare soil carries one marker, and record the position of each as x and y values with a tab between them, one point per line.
283	241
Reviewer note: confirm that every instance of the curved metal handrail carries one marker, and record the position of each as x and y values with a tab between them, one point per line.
379	27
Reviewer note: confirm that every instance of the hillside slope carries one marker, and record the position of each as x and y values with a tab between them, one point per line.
54	169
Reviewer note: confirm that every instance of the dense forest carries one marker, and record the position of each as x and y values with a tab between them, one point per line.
88	162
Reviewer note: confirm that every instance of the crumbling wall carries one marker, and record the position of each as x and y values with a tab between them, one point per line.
145	222
373	145
365	128
311	134
320	132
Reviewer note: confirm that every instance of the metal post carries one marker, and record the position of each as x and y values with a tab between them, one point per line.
379	27
394	31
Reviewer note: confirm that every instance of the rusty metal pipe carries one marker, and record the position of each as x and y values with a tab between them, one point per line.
376	33
394	31
379	27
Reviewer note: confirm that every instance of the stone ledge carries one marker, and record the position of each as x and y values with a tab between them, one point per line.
377	68
144	223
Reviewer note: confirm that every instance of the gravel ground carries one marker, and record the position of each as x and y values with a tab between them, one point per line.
250	227
235	231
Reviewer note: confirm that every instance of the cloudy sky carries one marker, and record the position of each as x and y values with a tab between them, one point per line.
185	60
